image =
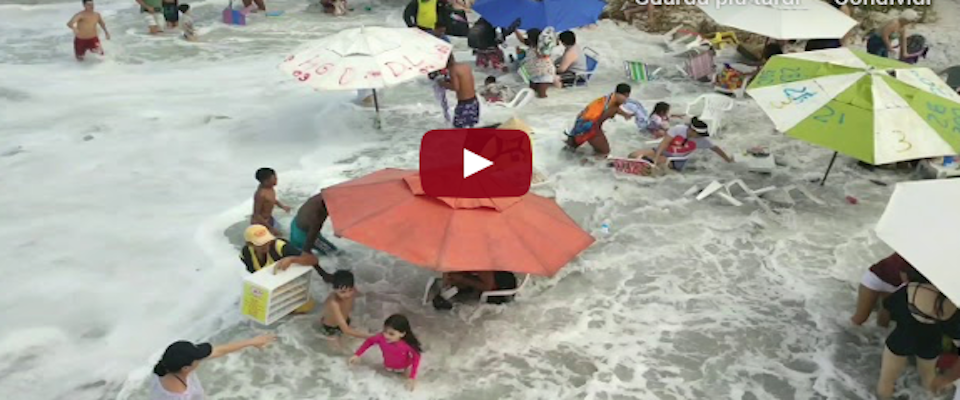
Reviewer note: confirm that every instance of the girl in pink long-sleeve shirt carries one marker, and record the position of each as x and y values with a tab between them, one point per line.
400	347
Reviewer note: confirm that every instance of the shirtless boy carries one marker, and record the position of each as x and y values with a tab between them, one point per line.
305	227
467	112
84	26
337	309
264	199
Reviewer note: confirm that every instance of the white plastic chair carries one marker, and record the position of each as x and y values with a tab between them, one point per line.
713	107
429	292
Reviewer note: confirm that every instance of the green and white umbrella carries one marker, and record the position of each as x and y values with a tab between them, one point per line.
870	108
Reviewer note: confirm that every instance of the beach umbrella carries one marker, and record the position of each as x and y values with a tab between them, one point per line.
871	108
388	211
798	19
920	223
560	14
367	58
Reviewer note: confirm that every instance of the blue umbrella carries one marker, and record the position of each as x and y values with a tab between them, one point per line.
560	14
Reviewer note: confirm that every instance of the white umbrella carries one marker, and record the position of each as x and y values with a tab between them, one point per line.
367	58
801	19
921	223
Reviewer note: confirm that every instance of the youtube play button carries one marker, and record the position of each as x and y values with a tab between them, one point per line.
476	163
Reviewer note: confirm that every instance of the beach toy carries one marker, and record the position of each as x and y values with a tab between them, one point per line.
269	295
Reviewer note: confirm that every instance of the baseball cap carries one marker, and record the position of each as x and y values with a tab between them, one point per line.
183	353
910	15
258	235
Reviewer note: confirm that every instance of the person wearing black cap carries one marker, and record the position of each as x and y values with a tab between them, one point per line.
175	377
681	141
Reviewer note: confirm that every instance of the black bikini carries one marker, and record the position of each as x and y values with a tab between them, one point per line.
912	337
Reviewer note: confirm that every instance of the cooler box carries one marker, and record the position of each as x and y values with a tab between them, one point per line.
268	297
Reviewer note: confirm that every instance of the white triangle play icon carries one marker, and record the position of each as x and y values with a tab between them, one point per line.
472	163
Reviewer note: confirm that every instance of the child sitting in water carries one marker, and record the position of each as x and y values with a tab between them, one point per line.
399	346
186	23
337	308
494	92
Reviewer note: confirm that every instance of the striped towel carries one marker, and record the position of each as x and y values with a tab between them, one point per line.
638	71
440	93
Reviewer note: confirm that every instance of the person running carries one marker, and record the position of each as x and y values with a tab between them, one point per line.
264	199
174	373
880	41
878	282
306	225
588	126
681	141
337	309
467	112
84	26
400	348
153	11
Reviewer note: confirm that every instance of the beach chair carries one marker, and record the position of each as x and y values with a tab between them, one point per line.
698	63
519	100
712	108
720	40
593	62
433	288
524	74
638	71
952	77
679	40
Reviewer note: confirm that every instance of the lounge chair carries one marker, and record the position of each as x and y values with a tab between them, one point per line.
724	39
638	71
712	108
952	77
698	63
519	100
592	64
433	288
679	40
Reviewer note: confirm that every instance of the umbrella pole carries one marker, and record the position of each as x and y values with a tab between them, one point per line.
829	167
376	105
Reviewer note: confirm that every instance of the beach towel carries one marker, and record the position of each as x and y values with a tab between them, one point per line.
640	114
440	93
587	124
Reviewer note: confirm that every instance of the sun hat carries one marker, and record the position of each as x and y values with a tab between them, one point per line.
699	126
258	235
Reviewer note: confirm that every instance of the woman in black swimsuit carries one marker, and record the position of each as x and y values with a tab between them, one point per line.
923	315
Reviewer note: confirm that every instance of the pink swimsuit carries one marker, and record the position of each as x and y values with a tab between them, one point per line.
396	356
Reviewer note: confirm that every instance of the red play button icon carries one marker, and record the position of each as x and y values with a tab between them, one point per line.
476	163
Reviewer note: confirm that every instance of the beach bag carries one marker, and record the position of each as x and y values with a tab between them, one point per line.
505	281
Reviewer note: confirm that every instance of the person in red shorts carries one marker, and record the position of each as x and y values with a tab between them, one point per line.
878	282
84	26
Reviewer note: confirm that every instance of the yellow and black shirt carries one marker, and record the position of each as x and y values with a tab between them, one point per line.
278	249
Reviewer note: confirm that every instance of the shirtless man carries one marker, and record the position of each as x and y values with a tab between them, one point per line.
467	112
84	27
264	199
880	42
588	126
337	309
305	228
